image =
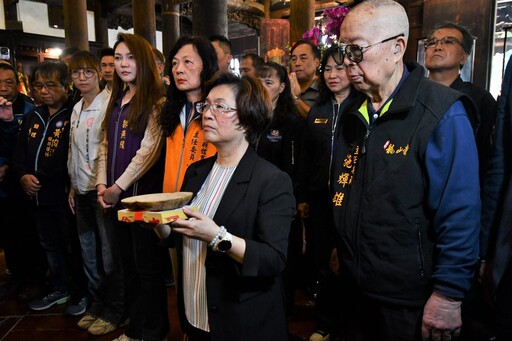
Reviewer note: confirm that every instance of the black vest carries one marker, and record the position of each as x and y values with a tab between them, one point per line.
378	186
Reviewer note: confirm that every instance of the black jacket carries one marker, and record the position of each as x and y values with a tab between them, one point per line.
317	154
8	135
487	108
42	150
245	301
281	144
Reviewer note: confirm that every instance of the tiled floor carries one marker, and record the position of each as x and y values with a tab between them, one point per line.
19	323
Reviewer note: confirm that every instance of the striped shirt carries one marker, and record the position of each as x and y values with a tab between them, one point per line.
194	251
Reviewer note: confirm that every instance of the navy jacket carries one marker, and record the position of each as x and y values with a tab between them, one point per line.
21	106
42	150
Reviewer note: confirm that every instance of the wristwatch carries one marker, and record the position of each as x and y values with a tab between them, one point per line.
225	243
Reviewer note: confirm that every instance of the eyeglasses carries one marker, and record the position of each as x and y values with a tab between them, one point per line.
355	52
88	73
432	42
48	86
215	108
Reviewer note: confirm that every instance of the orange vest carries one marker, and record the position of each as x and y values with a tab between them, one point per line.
182	151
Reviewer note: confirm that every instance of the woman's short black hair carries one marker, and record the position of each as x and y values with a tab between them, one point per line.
325	93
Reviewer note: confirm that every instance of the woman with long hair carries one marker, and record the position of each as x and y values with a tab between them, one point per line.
193	64
131	165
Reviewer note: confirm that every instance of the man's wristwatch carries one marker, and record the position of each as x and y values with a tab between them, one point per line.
224	243
296	98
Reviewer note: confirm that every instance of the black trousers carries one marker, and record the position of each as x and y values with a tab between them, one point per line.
367	319
144	282
24	255
504	306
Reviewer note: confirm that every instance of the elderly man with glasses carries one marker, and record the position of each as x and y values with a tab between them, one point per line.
405	188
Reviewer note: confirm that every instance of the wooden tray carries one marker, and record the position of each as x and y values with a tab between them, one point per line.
157	201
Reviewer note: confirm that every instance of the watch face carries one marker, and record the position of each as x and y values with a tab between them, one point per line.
224	245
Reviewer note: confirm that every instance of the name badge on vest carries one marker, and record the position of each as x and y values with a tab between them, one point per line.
321	120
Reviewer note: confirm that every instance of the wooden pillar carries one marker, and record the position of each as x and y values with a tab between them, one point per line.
170	25
144	19
100	23
302	18
75	24
210	17
11	16
266	8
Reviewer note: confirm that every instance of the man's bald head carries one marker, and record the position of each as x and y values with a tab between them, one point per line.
386	17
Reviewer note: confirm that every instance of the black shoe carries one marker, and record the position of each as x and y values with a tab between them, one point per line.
30	293
8	288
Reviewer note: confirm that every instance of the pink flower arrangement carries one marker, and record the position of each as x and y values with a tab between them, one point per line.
335	17
329	25
313	35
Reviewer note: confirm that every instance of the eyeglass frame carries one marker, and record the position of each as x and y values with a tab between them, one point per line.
443	41
341	53
215	108
82	71
51	87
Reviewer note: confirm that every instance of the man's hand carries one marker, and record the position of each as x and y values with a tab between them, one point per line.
294	84
30	184
441	318
6	113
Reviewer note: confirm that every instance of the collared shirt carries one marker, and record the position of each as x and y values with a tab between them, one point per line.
310	96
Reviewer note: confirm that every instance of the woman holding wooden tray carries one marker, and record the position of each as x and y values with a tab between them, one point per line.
232	252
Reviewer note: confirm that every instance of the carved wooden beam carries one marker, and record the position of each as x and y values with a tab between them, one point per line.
243	17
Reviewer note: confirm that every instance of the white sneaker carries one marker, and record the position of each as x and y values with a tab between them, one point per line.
320	335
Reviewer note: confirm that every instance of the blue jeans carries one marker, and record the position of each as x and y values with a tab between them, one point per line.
86	207
109	303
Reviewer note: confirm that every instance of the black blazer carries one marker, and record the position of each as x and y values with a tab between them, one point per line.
246	301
